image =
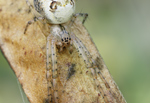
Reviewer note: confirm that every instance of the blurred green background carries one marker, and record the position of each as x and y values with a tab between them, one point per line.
121	31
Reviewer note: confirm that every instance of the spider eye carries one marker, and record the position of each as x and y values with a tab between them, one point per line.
53	5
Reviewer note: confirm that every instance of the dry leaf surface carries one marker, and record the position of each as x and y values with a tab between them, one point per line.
26	55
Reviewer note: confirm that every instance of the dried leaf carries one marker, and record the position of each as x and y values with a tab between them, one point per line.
26	55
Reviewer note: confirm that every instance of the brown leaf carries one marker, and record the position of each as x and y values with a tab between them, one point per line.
26	55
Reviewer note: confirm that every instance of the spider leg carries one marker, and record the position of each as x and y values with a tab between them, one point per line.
32	21
84	15
48	69
83	52
29	4
97	70
54	69
71	47
51	69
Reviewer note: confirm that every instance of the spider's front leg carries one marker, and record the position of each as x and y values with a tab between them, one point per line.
48	69
51	67
54	69
90	64
97	73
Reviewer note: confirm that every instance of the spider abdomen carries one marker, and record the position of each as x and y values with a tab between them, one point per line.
56	12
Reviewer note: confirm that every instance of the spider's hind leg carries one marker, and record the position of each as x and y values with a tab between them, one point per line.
84	15
31	22
31	9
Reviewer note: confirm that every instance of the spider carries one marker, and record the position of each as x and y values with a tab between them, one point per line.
57	12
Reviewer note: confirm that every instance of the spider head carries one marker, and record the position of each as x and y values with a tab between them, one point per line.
55	11
65	37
